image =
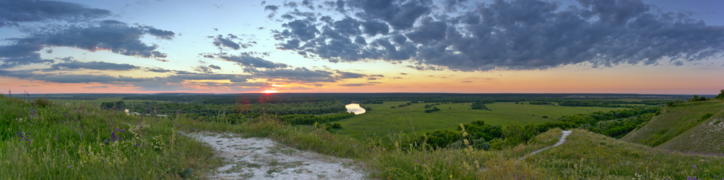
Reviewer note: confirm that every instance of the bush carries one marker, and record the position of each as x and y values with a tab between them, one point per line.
40	102
481	144
337	126
705	117
545	116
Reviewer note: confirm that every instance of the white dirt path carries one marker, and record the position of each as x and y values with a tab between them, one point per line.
259	158
560	141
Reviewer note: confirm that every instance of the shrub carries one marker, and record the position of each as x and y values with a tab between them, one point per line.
337	126
481	144
705	117
40	102
545	116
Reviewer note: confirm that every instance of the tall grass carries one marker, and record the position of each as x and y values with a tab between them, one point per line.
43	140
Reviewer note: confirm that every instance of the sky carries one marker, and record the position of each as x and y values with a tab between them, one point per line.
362	46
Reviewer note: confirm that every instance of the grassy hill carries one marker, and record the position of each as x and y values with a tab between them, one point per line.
684	127
587	155
707	137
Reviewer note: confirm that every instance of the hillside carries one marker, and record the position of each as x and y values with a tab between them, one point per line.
707	137
684	127
672	122
587	155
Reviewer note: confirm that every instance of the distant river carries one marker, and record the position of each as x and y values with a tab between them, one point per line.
355	108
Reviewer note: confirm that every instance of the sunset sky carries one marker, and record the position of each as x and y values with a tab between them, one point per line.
453	46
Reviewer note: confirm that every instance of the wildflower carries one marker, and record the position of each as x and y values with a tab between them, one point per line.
56	137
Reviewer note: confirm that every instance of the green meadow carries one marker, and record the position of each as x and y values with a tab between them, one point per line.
383	119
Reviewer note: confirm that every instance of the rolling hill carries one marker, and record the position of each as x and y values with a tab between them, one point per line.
687	127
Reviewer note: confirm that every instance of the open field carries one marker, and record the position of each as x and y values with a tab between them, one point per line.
382	119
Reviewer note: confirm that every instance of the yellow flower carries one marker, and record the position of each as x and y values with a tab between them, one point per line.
451	176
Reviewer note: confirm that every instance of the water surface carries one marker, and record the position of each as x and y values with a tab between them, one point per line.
355	108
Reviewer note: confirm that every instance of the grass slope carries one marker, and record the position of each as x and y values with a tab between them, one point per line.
707	137
673	122
587	155
382	119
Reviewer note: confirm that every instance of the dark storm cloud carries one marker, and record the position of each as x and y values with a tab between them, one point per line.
373	28
226	42
515	34
13	12
302	29
253	62
400	15
95	65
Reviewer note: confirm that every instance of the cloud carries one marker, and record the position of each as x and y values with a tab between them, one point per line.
96	87
163	34
371	79
297	74
377	75
111	35
215	67
248	61
403	73
271	7
678	63
361	84
158	70
71	78
221	41
21	11
21	51
95	65
467	81
396	77
349	75
515	34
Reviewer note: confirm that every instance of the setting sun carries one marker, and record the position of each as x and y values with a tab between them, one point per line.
270	91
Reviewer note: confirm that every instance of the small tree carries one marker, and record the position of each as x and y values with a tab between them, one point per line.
721	95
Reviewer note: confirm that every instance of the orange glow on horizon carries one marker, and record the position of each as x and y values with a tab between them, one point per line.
269	91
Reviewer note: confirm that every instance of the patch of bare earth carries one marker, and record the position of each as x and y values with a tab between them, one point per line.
260	158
